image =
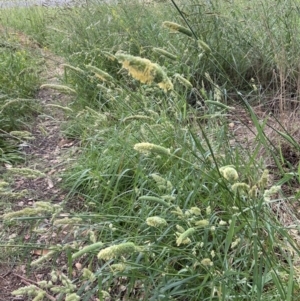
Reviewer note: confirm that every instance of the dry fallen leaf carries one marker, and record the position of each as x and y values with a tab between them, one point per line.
65	143
50	183
78	266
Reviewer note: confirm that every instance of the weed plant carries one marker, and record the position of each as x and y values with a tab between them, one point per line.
170	209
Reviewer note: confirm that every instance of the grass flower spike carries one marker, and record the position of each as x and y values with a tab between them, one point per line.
117	250
165	53
100	74
177	28
60	88
242	188
202	223
183	80
183	238
268	193
146	148
229	173
26	172
162	184
207	262
145	71
156	221
204	46
263	181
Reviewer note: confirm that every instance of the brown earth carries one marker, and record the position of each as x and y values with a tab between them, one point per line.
47	153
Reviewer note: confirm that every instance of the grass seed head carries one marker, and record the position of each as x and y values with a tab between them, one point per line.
145	71
183	80
60	88
88	274
100	74
24	135
183	238
180	229
26	172
207	262
202	223
162	184
118	267
195	211
174	27
72	297
253	192
146	148
204	46
26	290
165	53
263	181
241	188
156	221
76	69
235	243
268	193
117	250
229	173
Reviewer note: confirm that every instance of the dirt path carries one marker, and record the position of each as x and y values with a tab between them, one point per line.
48	154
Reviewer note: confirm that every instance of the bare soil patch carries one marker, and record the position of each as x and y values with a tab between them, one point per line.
47	153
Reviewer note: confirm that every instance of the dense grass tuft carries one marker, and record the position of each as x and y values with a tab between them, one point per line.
173	206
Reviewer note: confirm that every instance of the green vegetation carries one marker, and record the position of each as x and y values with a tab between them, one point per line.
173	206
19	77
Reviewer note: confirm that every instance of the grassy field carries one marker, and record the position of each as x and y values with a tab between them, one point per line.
173	205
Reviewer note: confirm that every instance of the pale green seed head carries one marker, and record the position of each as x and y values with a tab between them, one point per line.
178	212
270	192
24	135
72	297
263	181
253	192
88	274
202	223
174	27
235	243
207	262
180	229
229	173
183	238
156	221
241	188
118	267
204	46
60	88
100	74
183	80
117	250
68	221
147	148
145	71
162	184
195	211
165	53
26	172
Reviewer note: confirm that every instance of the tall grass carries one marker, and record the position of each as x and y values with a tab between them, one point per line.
171	208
